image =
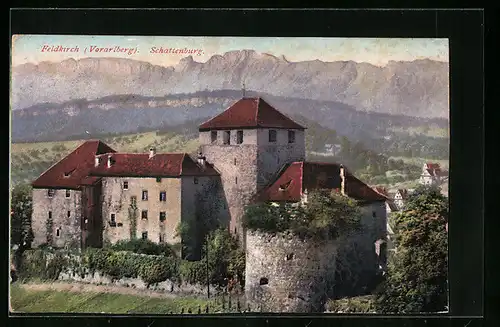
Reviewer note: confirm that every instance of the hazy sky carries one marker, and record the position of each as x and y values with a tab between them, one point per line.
28	48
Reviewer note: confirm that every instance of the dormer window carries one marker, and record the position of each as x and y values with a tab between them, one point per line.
226	138
68	173
272	136
284	187
213	136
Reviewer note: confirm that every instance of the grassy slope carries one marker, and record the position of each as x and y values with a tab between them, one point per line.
420	161
23	300
423	130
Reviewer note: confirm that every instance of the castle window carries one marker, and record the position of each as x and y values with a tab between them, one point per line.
163	216
195	180
239	137
235	161
213	136
272	135
374	214
263	281
50	192
144	214
236	180
58	232
158	179
162	237
144	235
144	195
289	257
163	196
69	213
68	193
125	185
50	214
133	200
112	220
291	136
226	140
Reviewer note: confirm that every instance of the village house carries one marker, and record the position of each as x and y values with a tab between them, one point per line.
400	197
432	174
250	152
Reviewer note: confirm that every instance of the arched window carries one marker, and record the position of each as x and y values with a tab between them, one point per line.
263	281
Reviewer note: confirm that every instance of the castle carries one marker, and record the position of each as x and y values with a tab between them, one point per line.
249	152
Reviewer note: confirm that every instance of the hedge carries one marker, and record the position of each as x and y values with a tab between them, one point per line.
152	269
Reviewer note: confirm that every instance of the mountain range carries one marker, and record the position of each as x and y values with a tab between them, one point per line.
416	89
125	114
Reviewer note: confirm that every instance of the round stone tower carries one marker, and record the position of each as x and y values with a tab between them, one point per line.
285	273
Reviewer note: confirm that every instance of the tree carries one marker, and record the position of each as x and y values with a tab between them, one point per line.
21	207
417	272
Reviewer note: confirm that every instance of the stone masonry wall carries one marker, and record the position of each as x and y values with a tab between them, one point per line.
237	165
117	200
358	253
203	204
273	156
66	217
299	274
247	167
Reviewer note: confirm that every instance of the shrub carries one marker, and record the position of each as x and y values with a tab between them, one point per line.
58	263
153	270
193	272
359	304
34	263
313	220
144	247
42	264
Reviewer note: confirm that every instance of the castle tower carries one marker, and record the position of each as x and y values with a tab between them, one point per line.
248	144
285	273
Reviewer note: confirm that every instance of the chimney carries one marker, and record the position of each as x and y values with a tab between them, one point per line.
201	159
152	152
109	162
97	161
342	179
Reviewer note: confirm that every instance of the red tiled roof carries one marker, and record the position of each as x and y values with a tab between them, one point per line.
70	171
250	113
381	190
160	165
297	177
431	165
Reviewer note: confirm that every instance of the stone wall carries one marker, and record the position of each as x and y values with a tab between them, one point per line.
247	167
238	169
297	275
166	286
65	218
203	205
117	200
358	253
273	156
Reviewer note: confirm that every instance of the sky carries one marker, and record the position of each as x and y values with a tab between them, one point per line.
377	51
